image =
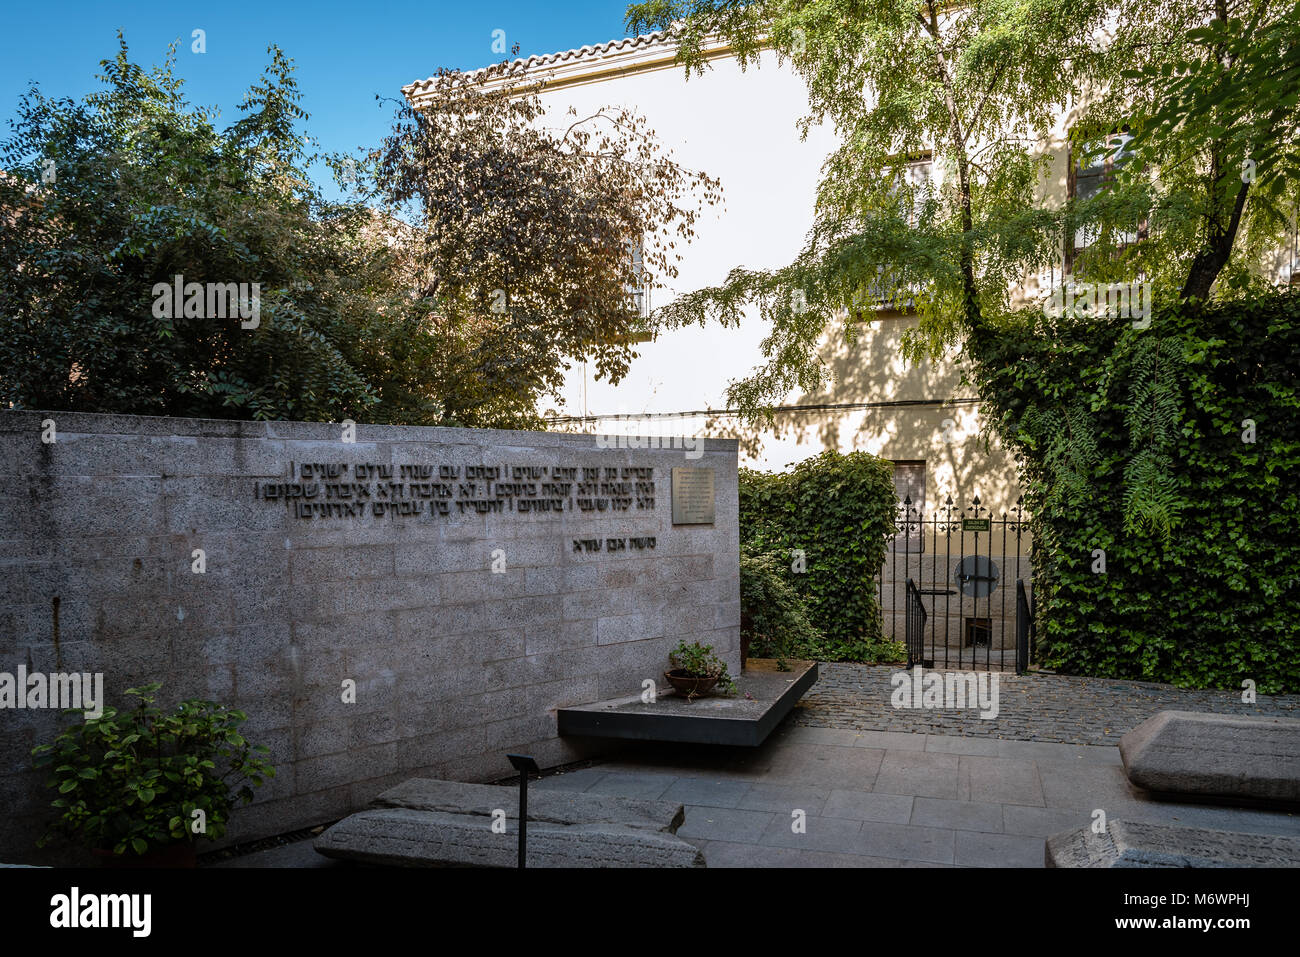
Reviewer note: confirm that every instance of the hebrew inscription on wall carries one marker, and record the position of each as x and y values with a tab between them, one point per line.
359	490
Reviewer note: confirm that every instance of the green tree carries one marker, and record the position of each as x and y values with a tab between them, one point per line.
531	239
972	86
1204	85
1209	90
106	200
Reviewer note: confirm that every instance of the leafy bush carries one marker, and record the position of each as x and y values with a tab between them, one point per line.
1175	450
700	661
136	780
825	525
386	314
107	198
778	622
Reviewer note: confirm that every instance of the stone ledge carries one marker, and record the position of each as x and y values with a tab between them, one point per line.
736	720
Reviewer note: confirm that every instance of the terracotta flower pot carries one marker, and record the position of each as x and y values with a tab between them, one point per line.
689	685
173	856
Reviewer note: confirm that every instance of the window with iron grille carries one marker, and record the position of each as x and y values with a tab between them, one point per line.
639	294
909	483
1092	168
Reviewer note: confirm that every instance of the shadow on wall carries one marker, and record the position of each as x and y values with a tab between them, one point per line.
875	402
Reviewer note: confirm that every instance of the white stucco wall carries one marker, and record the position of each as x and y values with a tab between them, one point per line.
741	127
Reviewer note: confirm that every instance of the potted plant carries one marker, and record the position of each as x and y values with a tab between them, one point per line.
696	670
141	788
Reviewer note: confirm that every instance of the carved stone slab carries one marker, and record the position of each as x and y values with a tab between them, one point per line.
424	823
1127	844
1215	756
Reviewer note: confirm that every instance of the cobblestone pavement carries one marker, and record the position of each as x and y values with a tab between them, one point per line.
1035	707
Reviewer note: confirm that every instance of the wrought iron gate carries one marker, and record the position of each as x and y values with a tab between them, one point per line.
965	586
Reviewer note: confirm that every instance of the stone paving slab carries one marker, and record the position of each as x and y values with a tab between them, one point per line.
933	801
999	780
919	773
923	801
819	834
910	842
869	806
730	855
785	797
825	766
958	815
706	792
978	849
725	824
1073	785
625	784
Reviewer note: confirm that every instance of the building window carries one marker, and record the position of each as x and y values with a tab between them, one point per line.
909	483
915	178
1092	168
639	294
979	632
887	293
914	184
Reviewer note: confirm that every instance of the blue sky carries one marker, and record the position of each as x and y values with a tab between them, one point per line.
345	53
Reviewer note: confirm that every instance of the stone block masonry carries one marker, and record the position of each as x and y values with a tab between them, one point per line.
466	583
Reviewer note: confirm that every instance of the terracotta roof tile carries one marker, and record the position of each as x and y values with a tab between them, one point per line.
595	52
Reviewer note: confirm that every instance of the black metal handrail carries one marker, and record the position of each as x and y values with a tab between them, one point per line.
1024	624
914	626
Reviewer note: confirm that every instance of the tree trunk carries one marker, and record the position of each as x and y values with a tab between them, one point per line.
1219	239
1214	255
970	291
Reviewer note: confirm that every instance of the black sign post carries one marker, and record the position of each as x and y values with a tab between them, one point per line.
524	765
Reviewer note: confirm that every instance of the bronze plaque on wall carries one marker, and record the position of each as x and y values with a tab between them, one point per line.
693	497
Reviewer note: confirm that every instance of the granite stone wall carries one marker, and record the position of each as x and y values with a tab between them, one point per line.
468	582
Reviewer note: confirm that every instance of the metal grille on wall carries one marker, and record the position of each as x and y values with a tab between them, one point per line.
949	586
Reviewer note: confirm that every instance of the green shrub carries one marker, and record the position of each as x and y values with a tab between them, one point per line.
778	625
701	661
145	779
824	527
1134	442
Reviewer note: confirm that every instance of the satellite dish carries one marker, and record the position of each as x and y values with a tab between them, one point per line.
977	576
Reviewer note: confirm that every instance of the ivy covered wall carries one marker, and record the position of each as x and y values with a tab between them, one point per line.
1163	473
822	526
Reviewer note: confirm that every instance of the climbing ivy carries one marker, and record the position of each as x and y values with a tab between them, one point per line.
826	523
1163	475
